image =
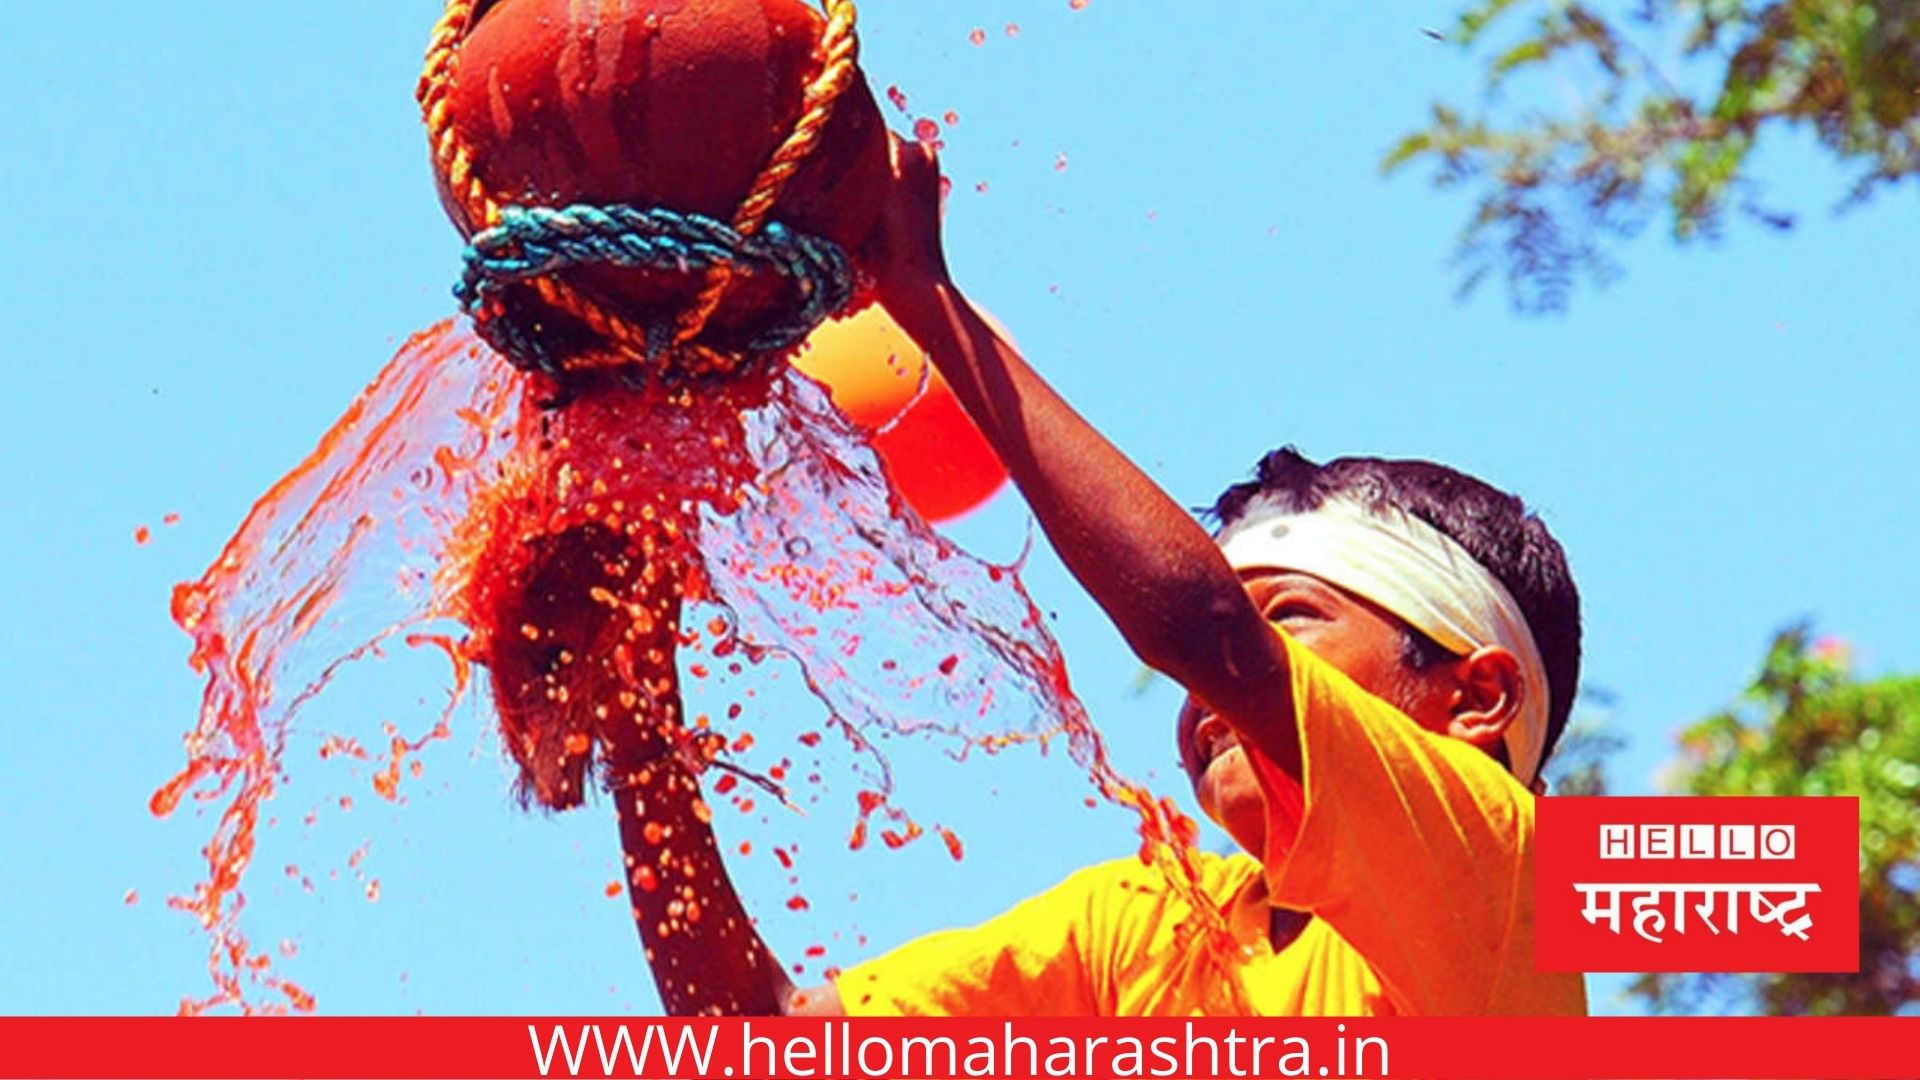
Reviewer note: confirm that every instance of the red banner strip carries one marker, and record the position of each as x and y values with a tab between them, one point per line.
430	1049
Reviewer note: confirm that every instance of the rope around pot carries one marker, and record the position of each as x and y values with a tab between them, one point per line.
520	245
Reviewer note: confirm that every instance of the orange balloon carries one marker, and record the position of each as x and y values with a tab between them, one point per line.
867	363
937	459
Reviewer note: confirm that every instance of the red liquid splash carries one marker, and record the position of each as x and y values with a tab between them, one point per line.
270	629
423	511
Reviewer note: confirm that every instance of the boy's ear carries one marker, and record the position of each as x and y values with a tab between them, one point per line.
1488	690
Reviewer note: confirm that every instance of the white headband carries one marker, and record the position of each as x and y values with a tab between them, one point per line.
1414	571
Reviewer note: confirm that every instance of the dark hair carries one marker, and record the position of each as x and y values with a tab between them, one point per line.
1493	526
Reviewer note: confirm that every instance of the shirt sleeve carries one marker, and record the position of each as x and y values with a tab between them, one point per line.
1036	959
1415	847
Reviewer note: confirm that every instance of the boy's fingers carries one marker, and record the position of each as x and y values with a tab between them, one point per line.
904	245
925	165
912	160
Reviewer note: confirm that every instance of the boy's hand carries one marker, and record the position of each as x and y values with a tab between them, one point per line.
903	252
1143	558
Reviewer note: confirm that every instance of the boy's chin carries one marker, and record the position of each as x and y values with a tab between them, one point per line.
1230	797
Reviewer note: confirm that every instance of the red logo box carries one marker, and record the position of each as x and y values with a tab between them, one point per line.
1697	884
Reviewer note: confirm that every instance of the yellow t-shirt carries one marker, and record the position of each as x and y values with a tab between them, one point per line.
1414	854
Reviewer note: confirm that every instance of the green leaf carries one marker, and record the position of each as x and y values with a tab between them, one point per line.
1531	51
1408	148
1475	19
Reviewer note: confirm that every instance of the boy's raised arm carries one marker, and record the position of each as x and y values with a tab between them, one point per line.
1142	557
707	957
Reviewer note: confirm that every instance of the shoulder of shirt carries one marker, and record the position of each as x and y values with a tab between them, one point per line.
1129	879
1472	765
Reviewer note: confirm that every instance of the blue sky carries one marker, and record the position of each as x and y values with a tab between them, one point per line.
222	223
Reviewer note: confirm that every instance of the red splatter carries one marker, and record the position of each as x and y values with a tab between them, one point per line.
316	538
338	745
896	839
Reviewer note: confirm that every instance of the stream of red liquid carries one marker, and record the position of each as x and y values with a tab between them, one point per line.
410	522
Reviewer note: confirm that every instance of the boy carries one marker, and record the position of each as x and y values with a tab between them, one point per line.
1378	656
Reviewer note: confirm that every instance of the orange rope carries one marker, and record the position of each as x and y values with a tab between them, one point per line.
838	51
